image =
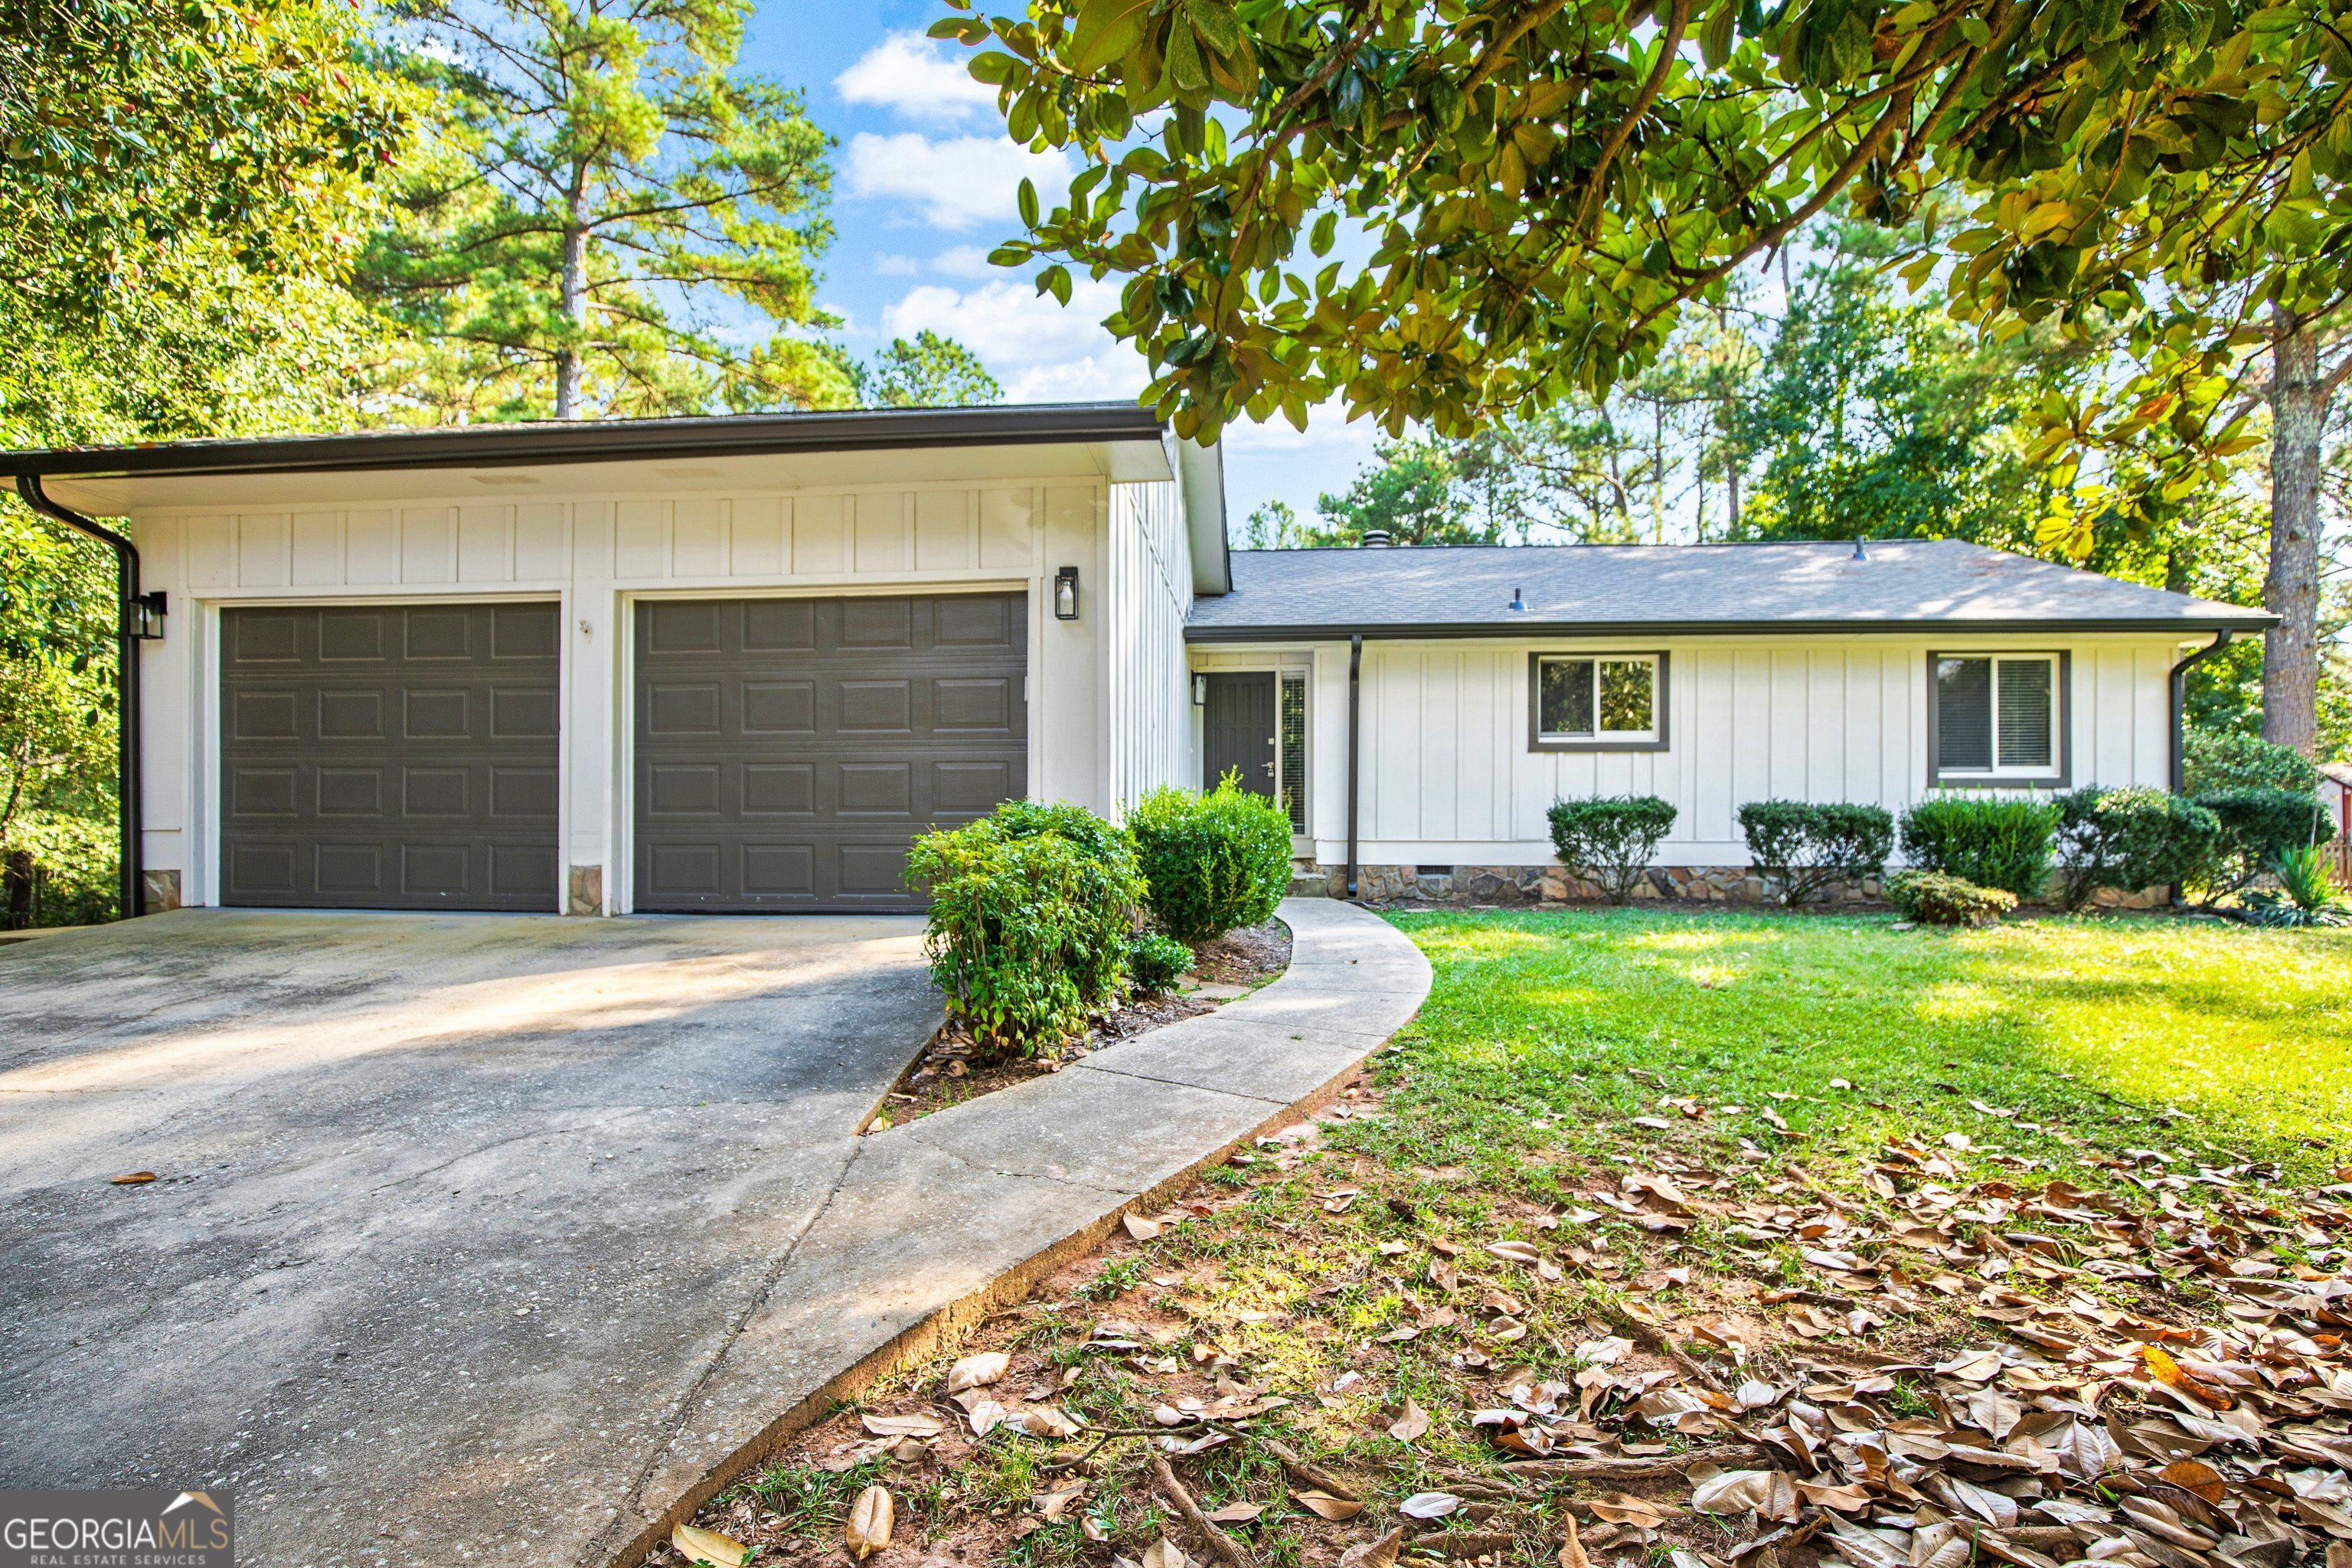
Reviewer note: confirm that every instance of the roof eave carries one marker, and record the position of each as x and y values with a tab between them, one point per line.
2186	626
536	443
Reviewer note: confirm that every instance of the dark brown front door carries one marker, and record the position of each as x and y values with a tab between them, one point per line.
1239	731
390	757
788	751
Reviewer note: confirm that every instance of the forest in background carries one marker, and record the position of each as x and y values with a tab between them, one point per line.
300	216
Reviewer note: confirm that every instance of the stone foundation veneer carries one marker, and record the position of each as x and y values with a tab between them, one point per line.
584	892
1553	885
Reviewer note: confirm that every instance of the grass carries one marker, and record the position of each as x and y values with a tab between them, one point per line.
2232	1044
1765	1062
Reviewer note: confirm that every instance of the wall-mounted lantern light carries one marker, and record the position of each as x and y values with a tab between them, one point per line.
1065	593
1200	692
143	616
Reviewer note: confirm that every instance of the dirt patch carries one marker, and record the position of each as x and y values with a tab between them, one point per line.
951	1070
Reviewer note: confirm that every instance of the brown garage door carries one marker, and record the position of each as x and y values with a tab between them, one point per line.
390	757
789	750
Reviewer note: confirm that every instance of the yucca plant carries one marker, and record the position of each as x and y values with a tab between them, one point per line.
2306	893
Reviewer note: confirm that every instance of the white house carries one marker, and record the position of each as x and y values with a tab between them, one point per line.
736	664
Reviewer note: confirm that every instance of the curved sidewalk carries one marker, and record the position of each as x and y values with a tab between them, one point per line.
934	1225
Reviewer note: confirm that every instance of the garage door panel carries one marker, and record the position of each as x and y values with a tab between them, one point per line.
264	716
520	794
351	635
349	792
350	715
839	730
405	758
675	709
522	713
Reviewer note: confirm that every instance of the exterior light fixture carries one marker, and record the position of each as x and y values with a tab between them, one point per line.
143	616
1065	593
1200	692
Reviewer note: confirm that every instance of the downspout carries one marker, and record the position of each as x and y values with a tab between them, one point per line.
2178	774
1355	730
132	616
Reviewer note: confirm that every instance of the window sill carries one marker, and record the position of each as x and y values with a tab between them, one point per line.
1542	744
1997	780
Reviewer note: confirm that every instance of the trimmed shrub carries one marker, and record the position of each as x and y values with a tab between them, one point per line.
1611	839
1032	908
2258	828
1931	898
1211	862
1993	842
2129	839
1153	961
1804	845
2214	762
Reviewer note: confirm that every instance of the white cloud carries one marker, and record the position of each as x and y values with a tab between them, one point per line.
1013	328
965	262
906	74
955	183
888	266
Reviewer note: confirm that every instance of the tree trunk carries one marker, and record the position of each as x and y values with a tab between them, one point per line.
574	301
2299	397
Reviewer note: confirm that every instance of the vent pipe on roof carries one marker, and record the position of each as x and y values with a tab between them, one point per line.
1518	599
1859	554
1375	539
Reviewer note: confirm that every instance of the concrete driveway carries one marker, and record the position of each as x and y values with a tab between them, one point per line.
452	1216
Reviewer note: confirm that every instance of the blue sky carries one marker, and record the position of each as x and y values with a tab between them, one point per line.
923	187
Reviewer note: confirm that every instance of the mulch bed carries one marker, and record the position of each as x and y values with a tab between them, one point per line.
952	1070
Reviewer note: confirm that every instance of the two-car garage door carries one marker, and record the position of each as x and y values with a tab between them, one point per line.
787	751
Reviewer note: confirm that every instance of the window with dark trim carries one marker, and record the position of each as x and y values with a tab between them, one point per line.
1292	753
1596	702
1998	717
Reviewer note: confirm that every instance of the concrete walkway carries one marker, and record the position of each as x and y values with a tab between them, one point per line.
935	1224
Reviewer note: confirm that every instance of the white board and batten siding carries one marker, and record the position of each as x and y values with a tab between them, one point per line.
1447	776
1090	680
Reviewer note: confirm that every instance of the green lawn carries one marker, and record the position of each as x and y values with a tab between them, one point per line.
2211	1041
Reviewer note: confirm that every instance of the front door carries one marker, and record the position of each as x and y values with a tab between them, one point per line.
1240	731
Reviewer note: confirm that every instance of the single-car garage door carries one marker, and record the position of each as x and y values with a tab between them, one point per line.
788	751
390	757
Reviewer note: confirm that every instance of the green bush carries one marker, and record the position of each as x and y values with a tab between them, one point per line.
1212	861
1153	961
1031	912
2215	762
59	868
2130	839
1611	838
2258	826
1931	898
1805	846
1993	842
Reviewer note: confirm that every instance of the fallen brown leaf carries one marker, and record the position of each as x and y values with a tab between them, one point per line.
698	1545
1380	1554
871	1518
977	1371
1323	1505
1411	1424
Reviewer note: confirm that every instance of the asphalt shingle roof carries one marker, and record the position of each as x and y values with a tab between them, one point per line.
1467	592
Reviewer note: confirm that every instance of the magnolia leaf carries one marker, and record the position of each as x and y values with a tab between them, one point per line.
1380	1554
870	1521
1571	1547
1323	1505
976	1371
1429	1505
1412	1422
1165	1553
1235	1513
696	1544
